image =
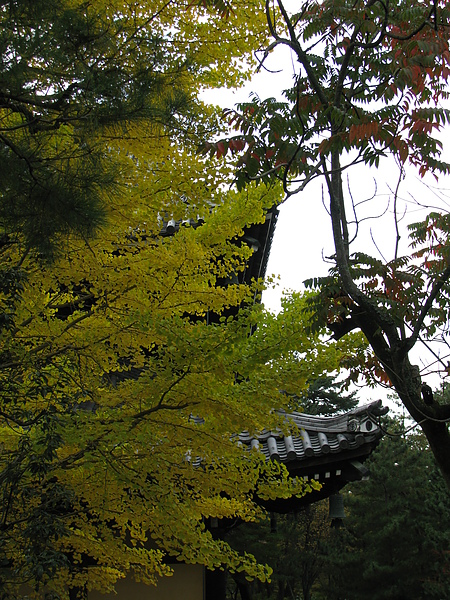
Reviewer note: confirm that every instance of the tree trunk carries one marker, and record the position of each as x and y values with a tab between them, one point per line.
384	335
428	417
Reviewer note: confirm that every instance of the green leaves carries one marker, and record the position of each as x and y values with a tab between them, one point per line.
374	88
106	352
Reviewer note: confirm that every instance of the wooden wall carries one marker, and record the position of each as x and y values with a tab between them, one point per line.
187	583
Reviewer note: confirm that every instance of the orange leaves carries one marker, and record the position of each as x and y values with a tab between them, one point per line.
375	370
220	149
358	134
362	131
402	148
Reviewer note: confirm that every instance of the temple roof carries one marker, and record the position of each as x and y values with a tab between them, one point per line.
257	236
330	450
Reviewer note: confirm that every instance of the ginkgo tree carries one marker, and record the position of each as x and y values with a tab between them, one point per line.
371	82
119	403
106	466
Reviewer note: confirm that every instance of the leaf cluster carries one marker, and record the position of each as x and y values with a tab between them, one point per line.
126	363
371	83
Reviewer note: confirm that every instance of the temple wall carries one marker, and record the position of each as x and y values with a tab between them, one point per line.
187	582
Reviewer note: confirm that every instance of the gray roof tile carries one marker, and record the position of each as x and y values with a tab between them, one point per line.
326	438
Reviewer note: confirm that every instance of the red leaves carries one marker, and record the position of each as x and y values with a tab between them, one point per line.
362	131
308	103
432	236
220	148
402	148
422	126
236	145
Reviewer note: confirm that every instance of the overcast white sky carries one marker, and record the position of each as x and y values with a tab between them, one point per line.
303	234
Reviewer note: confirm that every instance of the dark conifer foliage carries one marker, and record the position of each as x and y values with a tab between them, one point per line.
68	72
393	544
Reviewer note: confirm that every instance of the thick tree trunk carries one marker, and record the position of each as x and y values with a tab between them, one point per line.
384	335
405	378
407	385
406	381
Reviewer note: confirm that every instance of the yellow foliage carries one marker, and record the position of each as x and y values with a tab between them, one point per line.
104	467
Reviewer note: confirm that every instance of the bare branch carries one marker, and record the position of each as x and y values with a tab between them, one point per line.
401	176
435	290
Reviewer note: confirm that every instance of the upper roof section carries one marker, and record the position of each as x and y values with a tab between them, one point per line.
257	236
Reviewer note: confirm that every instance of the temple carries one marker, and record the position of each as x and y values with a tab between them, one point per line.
329	450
